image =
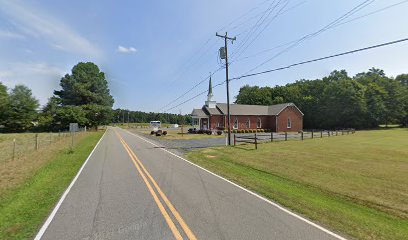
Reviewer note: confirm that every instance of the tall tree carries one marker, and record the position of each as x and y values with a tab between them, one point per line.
403	79
87	87
23	109
4	103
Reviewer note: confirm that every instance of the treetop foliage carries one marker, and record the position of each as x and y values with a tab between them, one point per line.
338	101
86	85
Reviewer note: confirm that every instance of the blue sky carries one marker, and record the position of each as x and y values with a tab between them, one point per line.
154	51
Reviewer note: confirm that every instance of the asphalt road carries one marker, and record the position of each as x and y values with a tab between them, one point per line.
133	189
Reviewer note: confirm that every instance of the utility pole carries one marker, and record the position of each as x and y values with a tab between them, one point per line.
226	38
128	119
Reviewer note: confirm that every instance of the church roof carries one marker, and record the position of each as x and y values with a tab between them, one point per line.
212	111
255	110
198	113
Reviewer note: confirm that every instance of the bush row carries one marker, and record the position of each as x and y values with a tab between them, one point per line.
251	130
158	133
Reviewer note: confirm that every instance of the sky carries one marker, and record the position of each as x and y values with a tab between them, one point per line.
153	52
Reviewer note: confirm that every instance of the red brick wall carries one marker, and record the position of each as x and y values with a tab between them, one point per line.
295	117
268	122
216	119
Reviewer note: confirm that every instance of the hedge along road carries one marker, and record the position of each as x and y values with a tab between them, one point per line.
131	188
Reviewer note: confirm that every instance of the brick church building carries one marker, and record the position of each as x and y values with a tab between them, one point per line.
285	117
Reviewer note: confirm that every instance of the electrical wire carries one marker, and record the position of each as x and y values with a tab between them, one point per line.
314	34
293	65
337	25
320	59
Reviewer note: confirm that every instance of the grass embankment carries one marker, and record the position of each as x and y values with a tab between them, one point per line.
25	206
354	184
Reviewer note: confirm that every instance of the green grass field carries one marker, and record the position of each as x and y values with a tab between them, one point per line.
25	143
354	184
25	206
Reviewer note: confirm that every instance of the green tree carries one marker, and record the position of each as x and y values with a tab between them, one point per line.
87	88
70	114
4	104
46	119
403	79
86	85
254	95
23	109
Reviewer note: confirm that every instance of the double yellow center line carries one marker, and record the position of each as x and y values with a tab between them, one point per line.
146	177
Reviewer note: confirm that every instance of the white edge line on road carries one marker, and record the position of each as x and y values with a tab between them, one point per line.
54	212
249	191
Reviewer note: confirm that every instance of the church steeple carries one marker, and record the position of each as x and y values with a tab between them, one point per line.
210	103
210	94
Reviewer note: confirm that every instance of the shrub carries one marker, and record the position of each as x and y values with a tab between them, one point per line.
164	133
208	132
219	132
152	132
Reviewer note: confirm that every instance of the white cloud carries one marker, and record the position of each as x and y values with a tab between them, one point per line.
9	34
41	77
34	23
126	50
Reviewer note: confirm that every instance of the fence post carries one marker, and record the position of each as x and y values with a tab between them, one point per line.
72	140
235	140
14	148
286	136
36	142
342	132
302	135
328	133
271	136
312	133
256	142
321	133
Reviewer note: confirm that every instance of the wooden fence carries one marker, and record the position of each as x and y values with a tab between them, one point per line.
257	138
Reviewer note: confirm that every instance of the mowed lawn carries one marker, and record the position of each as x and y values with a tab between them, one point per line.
356	185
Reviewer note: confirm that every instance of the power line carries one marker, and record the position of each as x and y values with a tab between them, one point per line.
293	65
320	59
374	12
334	23
337	25
189	63
258	23
280	11
192	88
327	27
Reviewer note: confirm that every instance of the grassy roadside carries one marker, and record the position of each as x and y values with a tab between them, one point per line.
24	208
355	185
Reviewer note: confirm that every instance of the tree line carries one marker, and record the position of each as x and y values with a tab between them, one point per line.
365	100
124	116
84	98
